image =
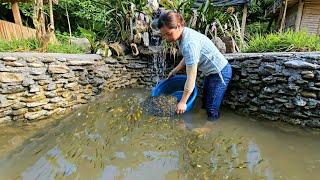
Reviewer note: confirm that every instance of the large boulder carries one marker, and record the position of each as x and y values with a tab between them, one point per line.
83	43
230	44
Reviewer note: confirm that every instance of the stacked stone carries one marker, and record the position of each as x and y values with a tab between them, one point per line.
277	86
274	86
121	75
35	86
153	66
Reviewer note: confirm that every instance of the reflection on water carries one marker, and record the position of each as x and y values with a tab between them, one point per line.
49	165
114	138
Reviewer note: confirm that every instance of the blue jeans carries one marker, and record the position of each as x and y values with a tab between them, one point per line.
214	90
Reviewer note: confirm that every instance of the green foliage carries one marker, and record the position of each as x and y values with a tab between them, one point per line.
90	15
90	35
111	20
18	45
64	48
287	42
257	21
257	9
256	28
108	19
201	18
182	6
62	37
34	45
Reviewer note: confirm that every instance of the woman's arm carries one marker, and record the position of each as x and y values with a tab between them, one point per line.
188	88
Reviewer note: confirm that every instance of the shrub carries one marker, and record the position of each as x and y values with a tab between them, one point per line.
284	42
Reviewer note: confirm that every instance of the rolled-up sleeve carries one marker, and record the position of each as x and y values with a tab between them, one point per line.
191	53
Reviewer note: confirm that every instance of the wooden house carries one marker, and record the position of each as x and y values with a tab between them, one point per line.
297	15
9	30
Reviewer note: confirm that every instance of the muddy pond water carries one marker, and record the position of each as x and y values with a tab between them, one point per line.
113	138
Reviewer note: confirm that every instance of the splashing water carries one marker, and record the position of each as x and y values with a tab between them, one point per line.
159	64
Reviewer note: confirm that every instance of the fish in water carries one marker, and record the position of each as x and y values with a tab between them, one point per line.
162	106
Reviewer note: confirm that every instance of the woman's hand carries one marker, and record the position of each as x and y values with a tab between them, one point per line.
181	108
175	70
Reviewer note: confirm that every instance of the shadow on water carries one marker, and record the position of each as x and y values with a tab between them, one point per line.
114	138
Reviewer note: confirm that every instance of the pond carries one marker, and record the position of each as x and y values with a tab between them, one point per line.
114	138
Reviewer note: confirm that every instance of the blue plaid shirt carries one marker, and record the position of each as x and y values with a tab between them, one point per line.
197	48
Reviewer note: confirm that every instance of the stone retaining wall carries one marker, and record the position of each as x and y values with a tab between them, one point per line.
34	86
274	86
277	86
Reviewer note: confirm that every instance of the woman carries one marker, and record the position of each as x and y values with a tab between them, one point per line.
199	53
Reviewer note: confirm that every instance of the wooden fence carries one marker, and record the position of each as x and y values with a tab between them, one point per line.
10	31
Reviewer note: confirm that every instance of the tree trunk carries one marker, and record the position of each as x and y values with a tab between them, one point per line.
69	25
244	19
16	13
283	20
44	36
51	28
38	19
279	17
51	14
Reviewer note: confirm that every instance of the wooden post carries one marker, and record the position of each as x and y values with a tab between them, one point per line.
244	20
299	15
318	32
284	16
16	13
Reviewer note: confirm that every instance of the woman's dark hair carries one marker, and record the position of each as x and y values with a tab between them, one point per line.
171	20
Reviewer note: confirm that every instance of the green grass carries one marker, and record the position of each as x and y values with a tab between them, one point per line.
256	28
33	45
284	42
65	48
